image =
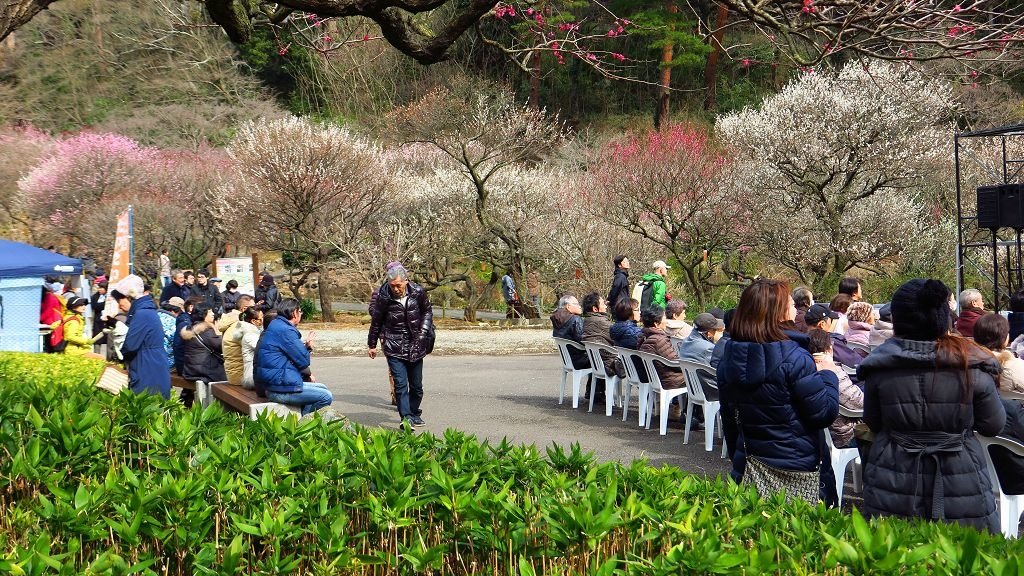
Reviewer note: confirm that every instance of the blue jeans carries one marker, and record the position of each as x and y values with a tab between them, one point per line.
165	281
408	385
313	397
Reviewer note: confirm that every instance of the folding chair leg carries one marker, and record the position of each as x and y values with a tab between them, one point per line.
561	389
663	406
611	384
577	383
689	419
628	391
710	420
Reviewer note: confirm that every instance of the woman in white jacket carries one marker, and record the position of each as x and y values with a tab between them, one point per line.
247	334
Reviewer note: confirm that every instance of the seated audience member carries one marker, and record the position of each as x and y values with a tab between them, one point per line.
282	363
972	307
675	319
840	305
719	349
991	331
168	313
597	328
566	323
202	351
860	317
624	331
1010	467
804	299
697	347
851	396
819	316
247	334
851	287
1016	316
881	330
654	340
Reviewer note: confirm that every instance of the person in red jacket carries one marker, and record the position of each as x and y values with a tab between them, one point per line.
972	307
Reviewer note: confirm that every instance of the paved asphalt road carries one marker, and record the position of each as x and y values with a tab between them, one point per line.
510	396
438	310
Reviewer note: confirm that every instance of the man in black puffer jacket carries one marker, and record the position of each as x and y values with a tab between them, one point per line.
403	320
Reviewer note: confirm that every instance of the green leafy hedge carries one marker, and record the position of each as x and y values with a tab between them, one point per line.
92	483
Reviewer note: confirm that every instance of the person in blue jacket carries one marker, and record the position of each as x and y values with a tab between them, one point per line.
776	404
282	363
143	348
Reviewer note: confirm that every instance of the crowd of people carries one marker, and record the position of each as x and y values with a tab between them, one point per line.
925	378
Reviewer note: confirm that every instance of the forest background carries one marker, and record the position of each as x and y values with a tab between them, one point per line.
326	144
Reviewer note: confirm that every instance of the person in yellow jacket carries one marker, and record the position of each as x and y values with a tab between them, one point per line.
74	330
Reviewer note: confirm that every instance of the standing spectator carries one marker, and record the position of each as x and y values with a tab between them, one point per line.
654	341
169	312
403	320
1016	316
372	310
926	392
247	335
143	348
97	302
165	269
184	321
991	331
654	287
851	396
804	299
859	319
675	320
208	291
597	328
74	329
840	305
177	288
972	307
851	287
267	294
190	281
881	330
51	314
282	363
624	332
776	404
620	281
511	295
533	289
567	323
230	296
202	344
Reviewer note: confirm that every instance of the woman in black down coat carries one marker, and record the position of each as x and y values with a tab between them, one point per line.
926	392
202	348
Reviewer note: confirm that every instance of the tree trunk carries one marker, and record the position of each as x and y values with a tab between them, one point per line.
534	101
665	85
323	287
16	13
711	70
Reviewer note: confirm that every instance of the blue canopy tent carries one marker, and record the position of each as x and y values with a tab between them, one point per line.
22	268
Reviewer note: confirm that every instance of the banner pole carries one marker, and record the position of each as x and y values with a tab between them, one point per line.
131	240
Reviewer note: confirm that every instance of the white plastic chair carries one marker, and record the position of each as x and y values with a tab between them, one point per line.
696	386
633	379
1010	395
612	382
841	457
859	347
1010	506
579	375
654	387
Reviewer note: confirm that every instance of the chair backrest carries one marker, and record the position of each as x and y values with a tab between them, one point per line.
594	354
1011	395
987	442
563	351
694	383
849	369
844	411
676	341
632	361
652	371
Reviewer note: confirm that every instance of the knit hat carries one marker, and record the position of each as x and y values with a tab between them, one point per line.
131	286
395	264
920	310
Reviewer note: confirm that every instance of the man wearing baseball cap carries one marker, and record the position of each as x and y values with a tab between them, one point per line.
821	316
655	282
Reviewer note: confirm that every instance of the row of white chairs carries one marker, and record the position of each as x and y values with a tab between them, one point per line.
619	391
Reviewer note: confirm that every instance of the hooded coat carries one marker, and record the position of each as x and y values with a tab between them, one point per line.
143	350
783	402
202	349
909	388
569	326
401	326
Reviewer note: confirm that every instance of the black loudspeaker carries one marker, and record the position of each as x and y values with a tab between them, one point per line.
1001	206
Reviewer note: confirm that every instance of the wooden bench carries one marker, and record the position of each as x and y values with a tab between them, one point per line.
202	389
248	402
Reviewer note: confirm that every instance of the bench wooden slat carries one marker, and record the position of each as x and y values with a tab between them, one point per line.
238	398
180	382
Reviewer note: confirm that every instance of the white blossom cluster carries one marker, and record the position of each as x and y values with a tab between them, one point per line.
835	165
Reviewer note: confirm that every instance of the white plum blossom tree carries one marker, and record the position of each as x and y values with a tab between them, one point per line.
308	189
839	163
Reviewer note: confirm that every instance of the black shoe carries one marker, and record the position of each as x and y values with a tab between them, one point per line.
417	421
412	422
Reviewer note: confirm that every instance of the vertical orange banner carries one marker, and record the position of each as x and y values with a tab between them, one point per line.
119	267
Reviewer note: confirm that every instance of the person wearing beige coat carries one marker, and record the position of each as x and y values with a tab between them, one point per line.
993	332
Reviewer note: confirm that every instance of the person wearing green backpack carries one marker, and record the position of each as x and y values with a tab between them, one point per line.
651	289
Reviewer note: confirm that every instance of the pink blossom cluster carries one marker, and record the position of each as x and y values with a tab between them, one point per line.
809	7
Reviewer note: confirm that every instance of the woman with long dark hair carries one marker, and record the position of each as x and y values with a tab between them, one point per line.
926	392
776	404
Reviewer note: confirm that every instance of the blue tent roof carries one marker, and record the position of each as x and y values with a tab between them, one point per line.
18	260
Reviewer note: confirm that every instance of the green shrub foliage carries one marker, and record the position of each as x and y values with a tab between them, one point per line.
92	483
